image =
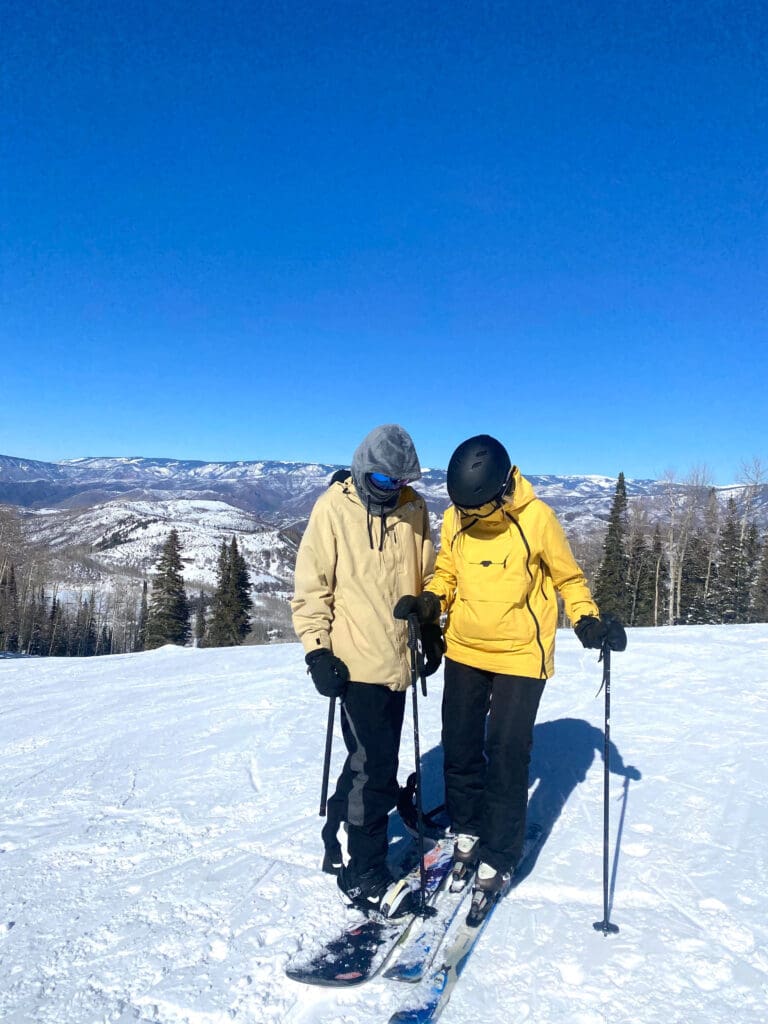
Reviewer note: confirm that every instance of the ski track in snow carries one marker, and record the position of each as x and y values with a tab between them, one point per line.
159	841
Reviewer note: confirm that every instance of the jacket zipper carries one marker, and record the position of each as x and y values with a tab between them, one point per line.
543	673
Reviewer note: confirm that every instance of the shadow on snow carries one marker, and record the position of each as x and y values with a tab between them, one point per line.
562	754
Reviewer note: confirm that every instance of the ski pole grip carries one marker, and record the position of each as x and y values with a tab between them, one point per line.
414	633
414	643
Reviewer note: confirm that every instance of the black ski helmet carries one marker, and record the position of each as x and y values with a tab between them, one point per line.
478	472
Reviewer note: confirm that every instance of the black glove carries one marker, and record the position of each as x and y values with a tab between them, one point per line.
426	606
329	673
593	631
432	647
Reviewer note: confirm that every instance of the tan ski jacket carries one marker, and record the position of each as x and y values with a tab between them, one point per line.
351	569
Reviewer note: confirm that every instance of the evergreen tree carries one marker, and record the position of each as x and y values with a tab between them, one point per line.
84	641
36	643
219	632
751	568
58	646
140	643
230	614
640	583
611	586
9	609
732	591
168	613
241	587
759	606
695	571
105	641
200	621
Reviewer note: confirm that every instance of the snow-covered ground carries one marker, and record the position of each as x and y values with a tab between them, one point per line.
159	841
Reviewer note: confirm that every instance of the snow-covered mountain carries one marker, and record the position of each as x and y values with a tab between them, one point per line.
160	850
123	538
279	492
103	520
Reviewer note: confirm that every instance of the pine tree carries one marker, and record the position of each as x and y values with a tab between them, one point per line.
640	583
731	593
57	630
9	609
37	641
200	621
611	586
241	587
751	568
695	602
760	590
168	613
219	633
84	641
105	641
140	642
230	614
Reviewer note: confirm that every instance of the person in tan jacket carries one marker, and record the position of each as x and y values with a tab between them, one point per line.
367	543
503	558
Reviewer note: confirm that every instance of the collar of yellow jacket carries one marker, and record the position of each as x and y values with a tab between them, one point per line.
521	496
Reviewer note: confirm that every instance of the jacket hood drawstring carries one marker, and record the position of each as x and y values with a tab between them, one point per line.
467	526
369	519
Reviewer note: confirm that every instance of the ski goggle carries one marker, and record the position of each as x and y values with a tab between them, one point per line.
387	483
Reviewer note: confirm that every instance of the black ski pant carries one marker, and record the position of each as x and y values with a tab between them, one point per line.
367	790
487	738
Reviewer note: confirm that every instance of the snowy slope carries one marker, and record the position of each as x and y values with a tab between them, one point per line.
159	849
126	537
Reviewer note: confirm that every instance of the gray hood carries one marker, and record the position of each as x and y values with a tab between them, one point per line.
387	449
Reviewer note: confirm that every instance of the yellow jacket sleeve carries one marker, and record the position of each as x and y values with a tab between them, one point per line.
567	576
443	583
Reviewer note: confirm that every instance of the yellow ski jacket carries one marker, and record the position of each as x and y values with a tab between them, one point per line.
351	569
497	579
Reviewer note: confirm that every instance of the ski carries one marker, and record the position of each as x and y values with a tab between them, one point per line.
434	991
416	956
417	953
365	945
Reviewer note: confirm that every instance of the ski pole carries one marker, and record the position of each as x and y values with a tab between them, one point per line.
327	758
605	925
414	638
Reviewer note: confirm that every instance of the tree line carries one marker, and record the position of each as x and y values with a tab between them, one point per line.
682	558
40	621
699	563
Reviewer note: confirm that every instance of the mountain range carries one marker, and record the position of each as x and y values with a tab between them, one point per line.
281	493
94	521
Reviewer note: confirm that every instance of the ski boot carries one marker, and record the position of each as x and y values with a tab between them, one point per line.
490	885
465	856
376	893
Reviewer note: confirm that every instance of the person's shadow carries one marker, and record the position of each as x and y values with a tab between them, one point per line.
562	754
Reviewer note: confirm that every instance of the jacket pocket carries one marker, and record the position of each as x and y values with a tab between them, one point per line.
492	625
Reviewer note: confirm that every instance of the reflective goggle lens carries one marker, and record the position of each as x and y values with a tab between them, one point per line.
387	483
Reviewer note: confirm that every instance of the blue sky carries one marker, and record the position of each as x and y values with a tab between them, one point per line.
255	230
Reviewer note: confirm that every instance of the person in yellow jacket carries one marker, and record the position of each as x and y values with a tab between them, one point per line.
503	558
367	543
